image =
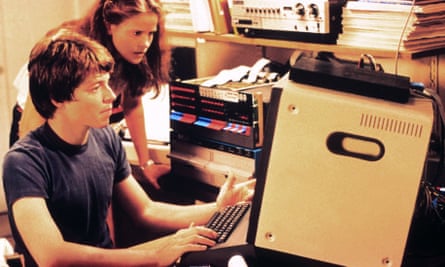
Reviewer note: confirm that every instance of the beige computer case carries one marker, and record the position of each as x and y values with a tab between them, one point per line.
343	176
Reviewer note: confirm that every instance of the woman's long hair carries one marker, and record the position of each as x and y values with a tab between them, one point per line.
133	79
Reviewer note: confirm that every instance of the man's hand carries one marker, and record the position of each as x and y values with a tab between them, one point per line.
170	248
231	193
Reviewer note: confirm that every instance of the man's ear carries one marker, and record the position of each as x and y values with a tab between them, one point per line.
56	104
108	26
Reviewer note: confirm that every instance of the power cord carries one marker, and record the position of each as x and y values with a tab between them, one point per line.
399	45
432	196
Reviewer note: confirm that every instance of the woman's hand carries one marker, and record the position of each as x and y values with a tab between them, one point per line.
231	193
154	171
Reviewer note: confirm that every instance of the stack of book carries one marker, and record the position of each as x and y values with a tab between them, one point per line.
211	16
201	16
394	24
177	15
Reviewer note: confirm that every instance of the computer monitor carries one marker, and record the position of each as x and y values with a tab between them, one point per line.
337	182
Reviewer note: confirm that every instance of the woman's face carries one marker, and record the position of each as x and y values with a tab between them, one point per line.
133	36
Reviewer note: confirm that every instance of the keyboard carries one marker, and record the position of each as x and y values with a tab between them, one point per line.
224	222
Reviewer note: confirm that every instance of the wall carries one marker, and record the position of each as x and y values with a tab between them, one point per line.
22	23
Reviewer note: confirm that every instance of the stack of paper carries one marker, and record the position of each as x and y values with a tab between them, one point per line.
197	15
394	24
201	16
177	15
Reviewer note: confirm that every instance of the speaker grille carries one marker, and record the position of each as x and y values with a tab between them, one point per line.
401	127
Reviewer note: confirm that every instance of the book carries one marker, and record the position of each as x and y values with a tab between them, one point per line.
220	16
177	15
201	16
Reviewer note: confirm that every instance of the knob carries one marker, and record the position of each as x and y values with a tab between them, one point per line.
313	10
299	9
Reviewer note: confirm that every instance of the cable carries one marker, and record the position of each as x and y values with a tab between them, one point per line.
434	195
428	93
371	59
396	66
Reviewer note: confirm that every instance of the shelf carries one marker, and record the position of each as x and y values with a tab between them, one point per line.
340	49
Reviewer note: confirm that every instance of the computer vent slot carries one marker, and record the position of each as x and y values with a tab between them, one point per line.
391	125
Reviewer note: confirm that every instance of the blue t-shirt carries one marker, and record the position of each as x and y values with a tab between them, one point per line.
75	180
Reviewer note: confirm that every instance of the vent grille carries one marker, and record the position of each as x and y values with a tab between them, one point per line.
391	125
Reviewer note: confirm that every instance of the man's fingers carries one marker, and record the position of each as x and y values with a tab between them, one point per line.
230	181
248	183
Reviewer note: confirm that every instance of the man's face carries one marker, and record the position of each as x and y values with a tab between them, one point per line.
92	102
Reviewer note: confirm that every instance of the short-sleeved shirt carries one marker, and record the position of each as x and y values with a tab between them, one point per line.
76	182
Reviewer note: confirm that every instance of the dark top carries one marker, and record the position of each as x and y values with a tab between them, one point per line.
75	180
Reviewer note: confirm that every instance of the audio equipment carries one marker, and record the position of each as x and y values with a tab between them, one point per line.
299	20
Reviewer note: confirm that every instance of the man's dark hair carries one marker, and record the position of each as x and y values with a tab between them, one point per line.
59	63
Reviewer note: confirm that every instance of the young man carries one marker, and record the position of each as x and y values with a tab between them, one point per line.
61	178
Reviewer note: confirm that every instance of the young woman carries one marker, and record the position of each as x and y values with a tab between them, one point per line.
133	32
